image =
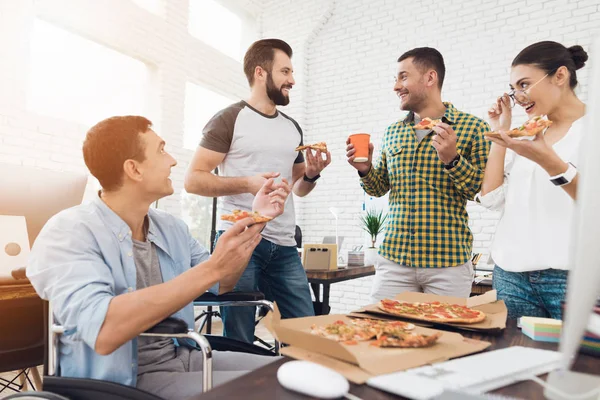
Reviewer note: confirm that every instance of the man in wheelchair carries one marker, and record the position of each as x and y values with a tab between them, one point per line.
113	268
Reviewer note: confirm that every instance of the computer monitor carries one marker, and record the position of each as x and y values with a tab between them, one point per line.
583	285
38	194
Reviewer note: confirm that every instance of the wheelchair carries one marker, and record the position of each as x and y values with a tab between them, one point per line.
56	387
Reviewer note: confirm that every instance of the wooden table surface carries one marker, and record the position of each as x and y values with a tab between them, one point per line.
340	274
262	384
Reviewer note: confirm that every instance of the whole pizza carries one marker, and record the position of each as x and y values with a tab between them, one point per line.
432	311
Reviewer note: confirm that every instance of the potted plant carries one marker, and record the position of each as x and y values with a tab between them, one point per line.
373	222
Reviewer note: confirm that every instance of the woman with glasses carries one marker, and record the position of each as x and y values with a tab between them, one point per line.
534	181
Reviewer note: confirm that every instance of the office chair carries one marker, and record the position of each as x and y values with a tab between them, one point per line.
298	237
22	344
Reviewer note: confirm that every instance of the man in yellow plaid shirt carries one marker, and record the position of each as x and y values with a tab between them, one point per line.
430	174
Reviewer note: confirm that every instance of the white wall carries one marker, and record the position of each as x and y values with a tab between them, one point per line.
345	57
351	64
162	41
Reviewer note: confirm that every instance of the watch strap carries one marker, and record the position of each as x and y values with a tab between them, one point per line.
311	180
566	177
452	163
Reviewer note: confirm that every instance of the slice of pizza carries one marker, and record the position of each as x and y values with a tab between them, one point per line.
393	330
322	146
530	128
379	324
338	331
427	123
238	215
366	329
407	340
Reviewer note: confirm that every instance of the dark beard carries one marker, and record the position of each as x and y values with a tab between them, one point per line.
417	101
415	104
275	94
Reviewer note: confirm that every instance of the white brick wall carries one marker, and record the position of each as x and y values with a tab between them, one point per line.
350	66
162	41
345	57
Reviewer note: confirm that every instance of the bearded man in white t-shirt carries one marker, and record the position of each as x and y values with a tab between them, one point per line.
251	141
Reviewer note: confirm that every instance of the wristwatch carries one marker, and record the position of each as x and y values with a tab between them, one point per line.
566	177
311	180
452	163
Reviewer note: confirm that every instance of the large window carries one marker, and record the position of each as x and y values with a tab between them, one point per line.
217	26
78	80
200	105
154	6
197	213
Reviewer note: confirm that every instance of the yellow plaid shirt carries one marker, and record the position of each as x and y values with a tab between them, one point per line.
428	224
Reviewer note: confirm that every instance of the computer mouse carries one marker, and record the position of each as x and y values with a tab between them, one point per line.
312	379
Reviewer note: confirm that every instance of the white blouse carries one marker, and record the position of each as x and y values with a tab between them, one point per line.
535	228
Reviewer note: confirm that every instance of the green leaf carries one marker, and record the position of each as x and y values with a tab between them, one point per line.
373	222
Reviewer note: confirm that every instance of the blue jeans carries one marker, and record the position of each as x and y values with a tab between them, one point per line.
533	293
277	272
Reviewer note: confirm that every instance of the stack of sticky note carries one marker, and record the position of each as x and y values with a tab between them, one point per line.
548	330
591	344
541	329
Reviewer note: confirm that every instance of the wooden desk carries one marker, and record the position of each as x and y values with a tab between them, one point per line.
479	288
262	383
326	278
17	291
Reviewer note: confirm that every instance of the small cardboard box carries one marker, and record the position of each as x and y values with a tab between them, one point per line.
362	361
320	256
495	311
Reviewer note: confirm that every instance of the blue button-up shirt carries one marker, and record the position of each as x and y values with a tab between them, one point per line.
81	260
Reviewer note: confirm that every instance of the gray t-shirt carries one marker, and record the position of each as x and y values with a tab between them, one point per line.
255	143
421	133
152	351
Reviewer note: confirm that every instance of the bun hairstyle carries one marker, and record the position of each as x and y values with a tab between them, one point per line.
579	56
550	56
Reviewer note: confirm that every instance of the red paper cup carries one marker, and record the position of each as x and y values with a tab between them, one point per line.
361	145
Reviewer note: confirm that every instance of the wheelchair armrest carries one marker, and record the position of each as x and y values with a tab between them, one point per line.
221	343
169	326
231	296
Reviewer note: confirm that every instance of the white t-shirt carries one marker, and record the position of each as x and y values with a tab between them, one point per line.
535	228
255	143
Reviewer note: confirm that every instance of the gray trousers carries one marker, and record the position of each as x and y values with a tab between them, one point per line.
181	377
392	278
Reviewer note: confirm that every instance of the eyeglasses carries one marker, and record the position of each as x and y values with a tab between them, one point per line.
521	96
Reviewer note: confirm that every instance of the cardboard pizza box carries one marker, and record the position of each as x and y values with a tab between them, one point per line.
362	361
495	311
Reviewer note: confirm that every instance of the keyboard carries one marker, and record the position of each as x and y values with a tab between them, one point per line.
478	373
